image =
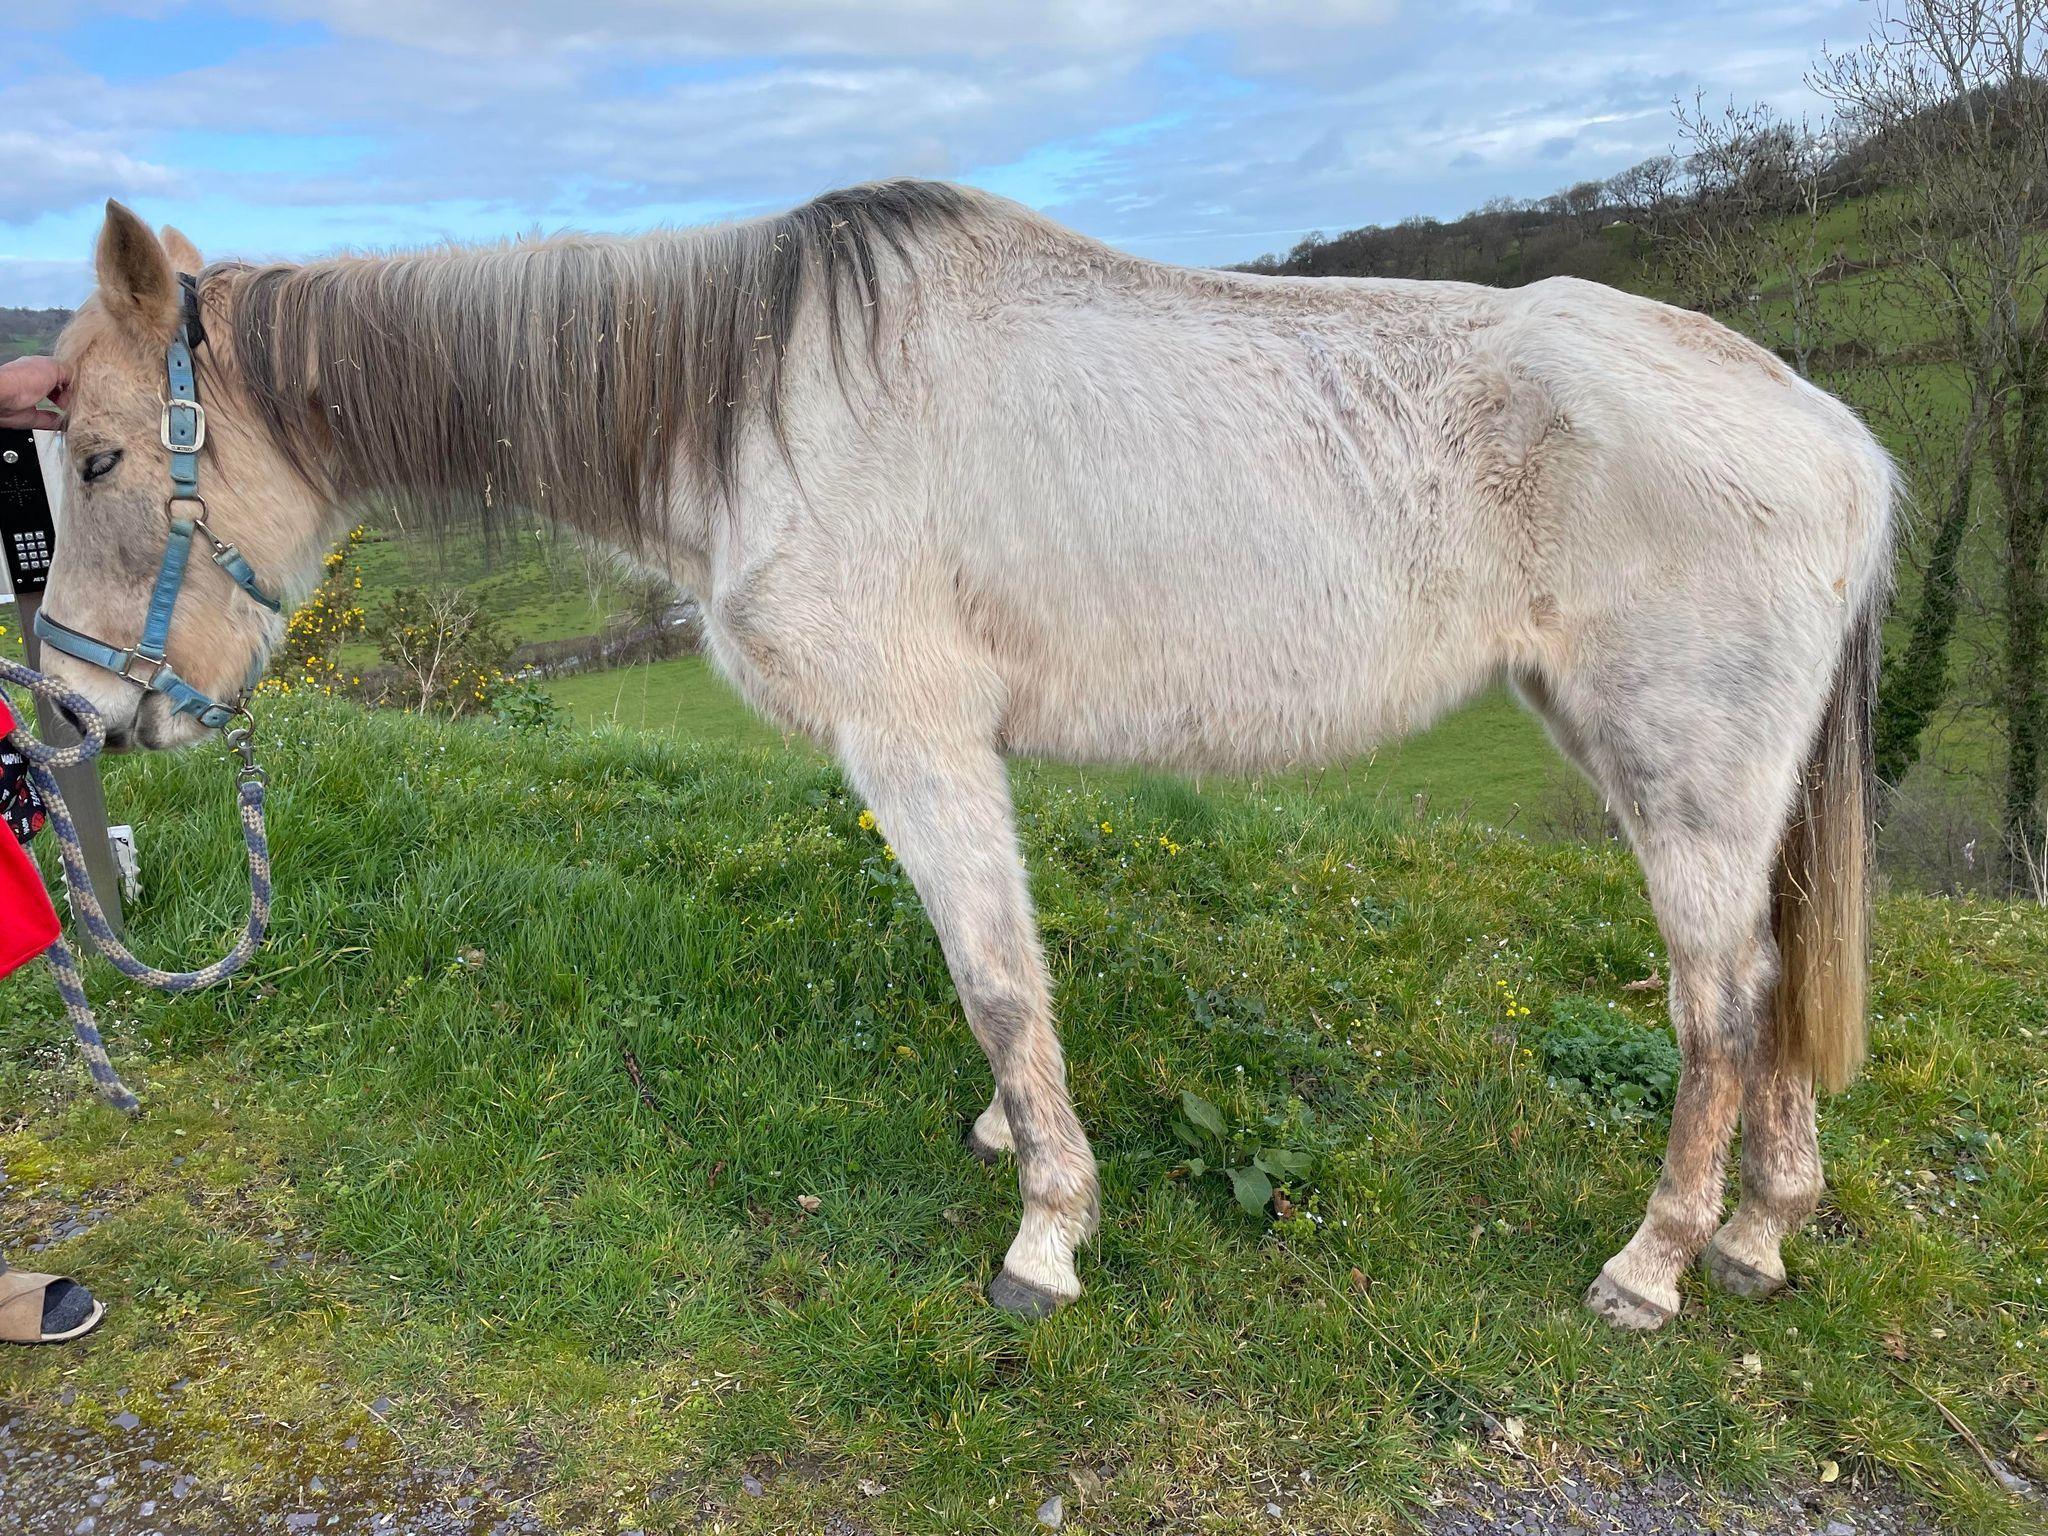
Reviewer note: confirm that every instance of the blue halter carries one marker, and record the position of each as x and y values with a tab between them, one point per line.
183	433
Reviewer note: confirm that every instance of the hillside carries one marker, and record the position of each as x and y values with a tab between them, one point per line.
539	583
494	1159
23	331
1504	245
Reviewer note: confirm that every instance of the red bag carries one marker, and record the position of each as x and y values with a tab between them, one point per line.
28	923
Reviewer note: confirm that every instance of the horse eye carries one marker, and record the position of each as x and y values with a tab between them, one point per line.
100	464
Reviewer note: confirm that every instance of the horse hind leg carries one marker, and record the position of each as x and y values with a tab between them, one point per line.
1815	1027
1696	790
1715	989
1781	1169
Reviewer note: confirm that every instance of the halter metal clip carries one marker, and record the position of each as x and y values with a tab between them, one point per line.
243	739
193	510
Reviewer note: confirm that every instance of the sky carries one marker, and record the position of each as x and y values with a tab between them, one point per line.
1199	131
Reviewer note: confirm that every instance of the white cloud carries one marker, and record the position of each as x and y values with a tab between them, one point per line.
59	167
32	283
1203	130
847	28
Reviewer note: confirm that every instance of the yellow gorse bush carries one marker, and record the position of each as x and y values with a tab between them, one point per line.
313	635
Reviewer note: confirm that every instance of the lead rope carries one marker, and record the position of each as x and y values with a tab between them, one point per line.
85	904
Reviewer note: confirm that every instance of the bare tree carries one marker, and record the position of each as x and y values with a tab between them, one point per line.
1743	224
1583	204
1644	192
445	657
1951	97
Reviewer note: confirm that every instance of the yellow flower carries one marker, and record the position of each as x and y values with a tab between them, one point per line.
867	821
1107	829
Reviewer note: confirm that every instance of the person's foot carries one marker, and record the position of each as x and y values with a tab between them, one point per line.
45	1309
66	1305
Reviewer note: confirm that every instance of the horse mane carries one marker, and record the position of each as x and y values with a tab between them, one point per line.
571	373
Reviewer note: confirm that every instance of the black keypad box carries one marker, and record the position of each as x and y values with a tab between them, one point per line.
27	535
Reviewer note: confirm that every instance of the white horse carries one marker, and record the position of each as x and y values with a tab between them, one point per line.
954	482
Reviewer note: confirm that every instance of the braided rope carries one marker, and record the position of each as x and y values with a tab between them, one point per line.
42	759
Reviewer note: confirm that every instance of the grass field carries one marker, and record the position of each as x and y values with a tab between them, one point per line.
684	697
504	1137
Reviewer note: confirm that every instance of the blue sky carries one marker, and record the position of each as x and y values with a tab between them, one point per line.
1200	131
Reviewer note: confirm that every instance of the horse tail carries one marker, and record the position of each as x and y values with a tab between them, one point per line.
1821	886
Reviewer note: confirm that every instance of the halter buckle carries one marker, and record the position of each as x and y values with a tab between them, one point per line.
156	664
198	426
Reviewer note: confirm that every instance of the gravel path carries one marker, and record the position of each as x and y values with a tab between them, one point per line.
1665	1506
64	1480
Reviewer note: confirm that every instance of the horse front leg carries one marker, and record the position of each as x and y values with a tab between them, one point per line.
945	806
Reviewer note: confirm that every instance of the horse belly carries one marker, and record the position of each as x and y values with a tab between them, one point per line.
1298	650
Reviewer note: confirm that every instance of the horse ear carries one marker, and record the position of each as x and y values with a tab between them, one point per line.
184	254
136	282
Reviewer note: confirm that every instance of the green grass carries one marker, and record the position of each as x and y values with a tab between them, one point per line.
1488	762
684	697
427	1079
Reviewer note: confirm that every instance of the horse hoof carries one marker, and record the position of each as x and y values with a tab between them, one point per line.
981	1150
1020	1298
1622	1307
1738	1278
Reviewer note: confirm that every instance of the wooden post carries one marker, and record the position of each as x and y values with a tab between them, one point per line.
24	509
80	784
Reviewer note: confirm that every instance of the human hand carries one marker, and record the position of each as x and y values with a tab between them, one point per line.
24	384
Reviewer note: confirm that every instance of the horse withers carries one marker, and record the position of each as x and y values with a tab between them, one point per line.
953	483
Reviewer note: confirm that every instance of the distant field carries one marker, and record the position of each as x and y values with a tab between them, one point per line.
27	331
539	584
683	698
